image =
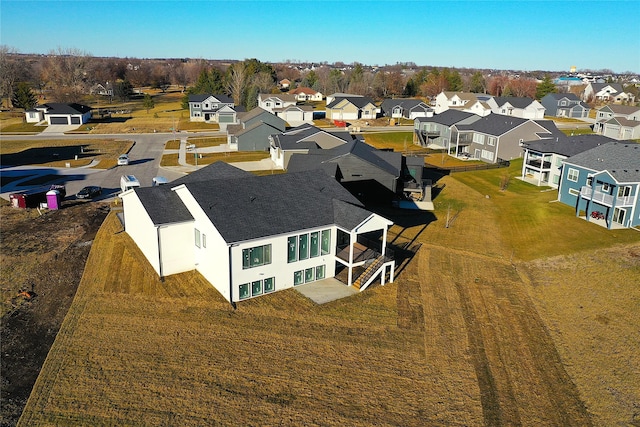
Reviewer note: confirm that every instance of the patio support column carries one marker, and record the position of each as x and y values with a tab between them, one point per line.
352	238
524	163
383	274
384	241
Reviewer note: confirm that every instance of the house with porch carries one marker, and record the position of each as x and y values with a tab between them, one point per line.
252	133
496	138
522	107
56	113
544	158
225	224
603	185
565	105
212	109
436	131
303	139
405	108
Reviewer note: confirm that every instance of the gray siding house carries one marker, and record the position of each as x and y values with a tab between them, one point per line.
437	131
212	109
565	105
252	134
495	137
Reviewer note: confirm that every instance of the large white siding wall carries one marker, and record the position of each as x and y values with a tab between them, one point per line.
176	244
139	226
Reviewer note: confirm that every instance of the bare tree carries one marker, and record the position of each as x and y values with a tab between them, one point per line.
8	73
237	82
67	73
263	82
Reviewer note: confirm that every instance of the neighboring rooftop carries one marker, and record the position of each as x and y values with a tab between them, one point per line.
568	145
621	160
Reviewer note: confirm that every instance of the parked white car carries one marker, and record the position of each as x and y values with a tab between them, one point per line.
123	160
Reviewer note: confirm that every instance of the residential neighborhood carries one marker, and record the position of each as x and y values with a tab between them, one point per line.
196	231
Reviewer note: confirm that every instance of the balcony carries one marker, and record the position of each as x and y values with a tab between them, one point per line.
604	198
539	164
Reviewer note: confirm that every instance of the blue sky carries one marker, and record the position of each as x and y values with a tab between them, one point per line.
521	35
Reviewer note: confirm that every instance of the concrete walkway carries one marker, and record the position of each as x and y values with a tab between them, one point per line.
326	290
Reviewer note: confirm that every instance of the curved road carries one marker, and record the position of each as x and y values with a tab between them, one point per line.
145	156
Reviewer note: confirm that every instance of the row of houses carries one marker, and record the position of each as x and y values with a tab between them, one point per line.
598	176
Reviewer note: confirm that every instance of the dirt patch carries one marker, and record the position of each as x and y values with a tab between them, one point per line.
45	256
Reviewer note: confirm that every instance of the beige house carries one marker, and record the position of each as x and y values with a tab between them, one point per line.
352	108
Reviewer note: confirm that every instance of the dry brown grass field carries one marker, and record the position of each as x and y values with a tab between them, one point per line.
494	322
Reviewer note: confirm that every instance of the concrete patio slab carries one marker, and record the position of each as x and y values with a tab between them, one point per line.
326	290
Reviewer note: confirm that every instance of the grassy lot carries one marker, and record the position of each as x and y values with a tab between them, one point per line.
201	142
580	131
398	141
57	153
476	330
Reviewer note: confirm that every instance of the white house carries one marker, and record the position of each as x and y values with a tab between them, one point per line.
59	114
271	102
522	107
457	100
295	115
303	94
250	235
607	92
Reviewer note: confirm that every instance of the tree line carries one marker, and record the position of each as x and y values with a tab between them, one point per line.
68	75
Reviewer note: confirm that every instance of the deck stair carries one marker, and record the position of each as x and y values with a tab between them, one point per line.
372	271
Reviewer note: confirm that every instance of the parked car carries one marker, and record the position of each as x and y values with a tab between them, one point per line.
89	192
123	160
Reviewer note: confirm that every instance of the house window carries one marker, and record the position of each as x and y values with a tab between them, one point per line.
303	247
556	179
292	245
486	154
624	191
204	240
269	285
197	237
320	271
572	175
590	181
574	191
491	141
196	105
268	104
558	162
243	291
478	138
326	242
298	278
309	275
255	257
256	288
606	187
563	102
206	105
314	246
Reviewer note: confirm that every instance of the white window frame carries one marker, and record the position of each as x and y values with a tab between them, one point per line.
197	237
573	175
574	191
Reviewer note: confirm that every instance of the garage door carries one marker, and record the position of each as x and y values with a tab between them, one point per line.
59	121
75	120
225	118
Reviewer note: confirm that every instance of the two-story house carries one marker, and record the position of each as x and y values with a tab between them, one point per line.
436	131
565	105
456	100
607	92
603	184
496	137
250	235
543	159
618	121
351	108
212	109
522	107
270	102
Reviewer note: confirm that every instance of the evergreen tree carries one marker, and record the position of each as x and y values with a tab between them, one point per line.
148	102
23	96
123	90
545	87
477	84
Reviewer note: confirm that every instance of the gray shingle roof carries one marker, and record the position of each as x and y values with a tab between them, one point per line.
163	205
360	101
61	108
448	117
558	96
202	96
621	160
568	145
217	170
256	207
494	124
516	102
